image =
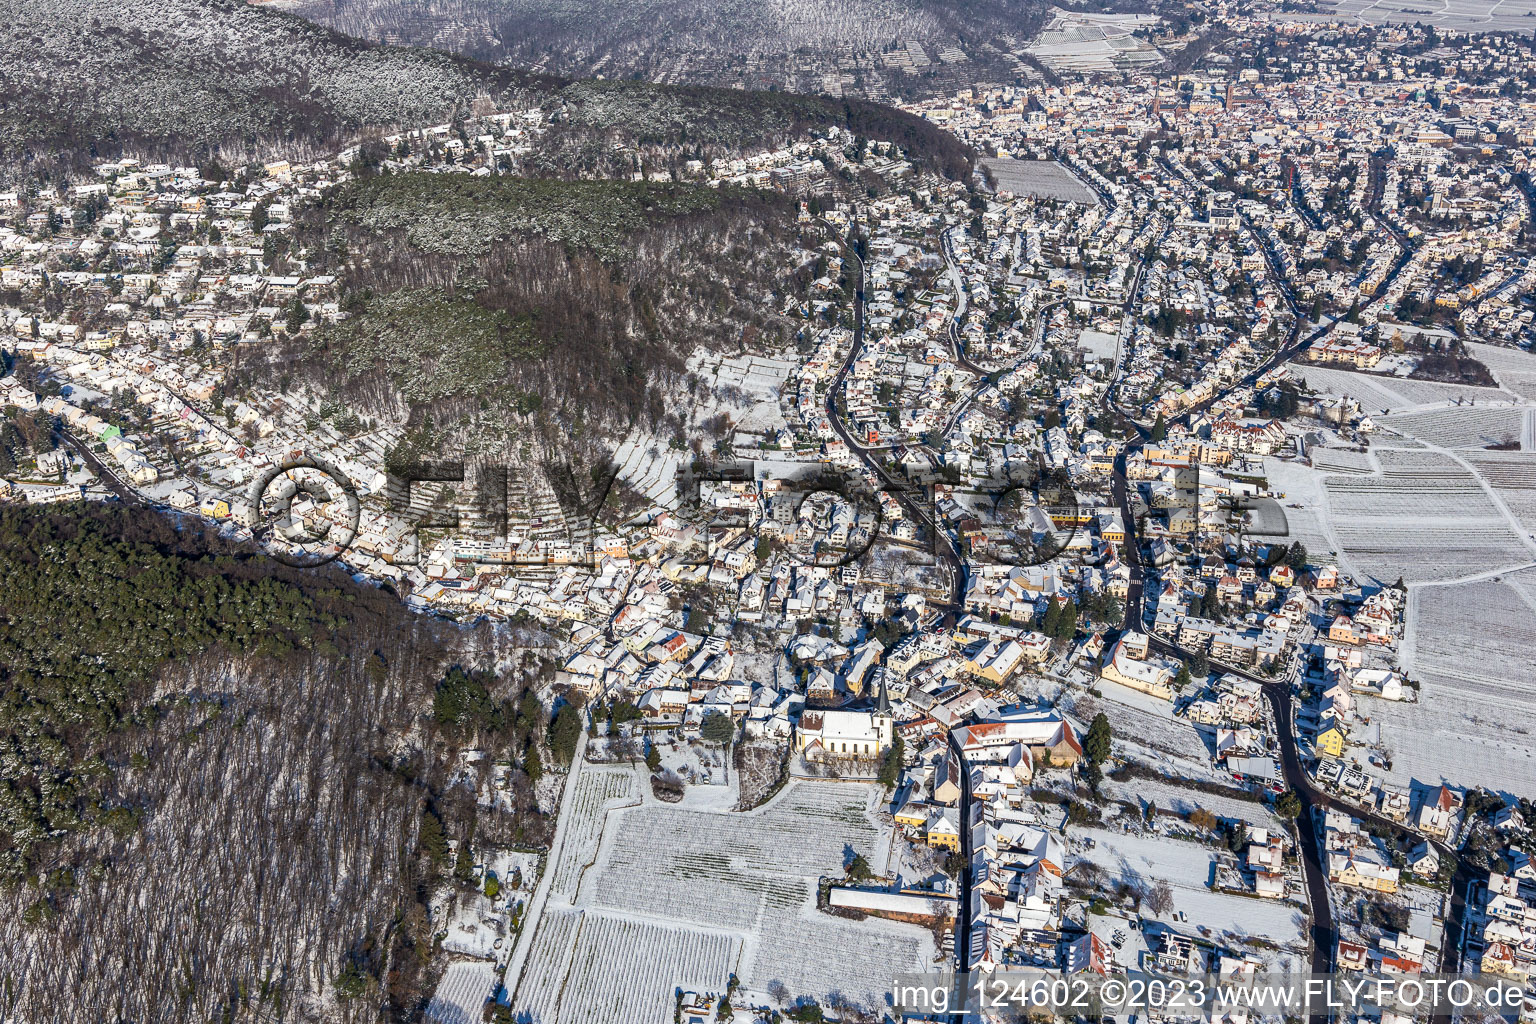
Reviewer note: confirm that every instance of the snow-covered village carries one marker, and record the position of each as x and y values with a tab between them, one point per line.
1119	563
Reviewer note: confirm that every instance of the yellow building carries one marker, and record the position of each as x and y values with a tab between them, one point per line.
944	829
1331	741
913	815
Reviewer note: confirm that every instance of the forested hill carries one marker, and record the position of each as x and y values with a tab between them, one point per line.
179	79
794	44
225	782
513	304
180	76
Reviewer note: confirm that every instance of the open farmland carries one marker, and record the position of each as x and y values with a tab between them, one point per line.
1465	427
1045	179
685	897
1471	655
1428	527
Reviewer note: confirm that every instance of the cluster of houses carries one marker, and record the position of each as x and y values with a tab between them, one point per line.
1018	856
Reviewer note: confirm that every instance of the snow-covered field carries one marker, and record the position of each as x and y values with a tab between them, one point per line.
1458	15
1145	727
1044	178
1513	369
1471	653
1432	526
597	787
1429	517
1182	799
604	968
1465	427
1513	475
1378	394
1092	42
684	897
462	993
744	388
1141	860
1341	460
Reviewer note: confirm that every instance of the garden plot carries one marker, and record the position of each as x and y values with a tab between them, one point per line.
1470	652
1465	427
1140	861
597	788
1145	728
1432	527
1513	369
1184	800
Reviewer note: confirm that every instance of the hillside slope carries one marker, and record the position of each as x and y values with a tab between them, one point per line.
194	74
800	45
181	79
225	778
514	307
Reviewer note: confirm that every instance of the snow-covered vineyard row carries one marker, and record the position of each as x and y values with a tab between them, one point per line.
621	969
538	991
1513	369
594	789
1464	427
1456	495
1411	463
1477	698
1513	475
1341	460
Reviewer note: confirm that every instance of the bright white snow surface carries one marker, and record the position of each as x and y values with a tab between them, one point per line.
1141	861
461	995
